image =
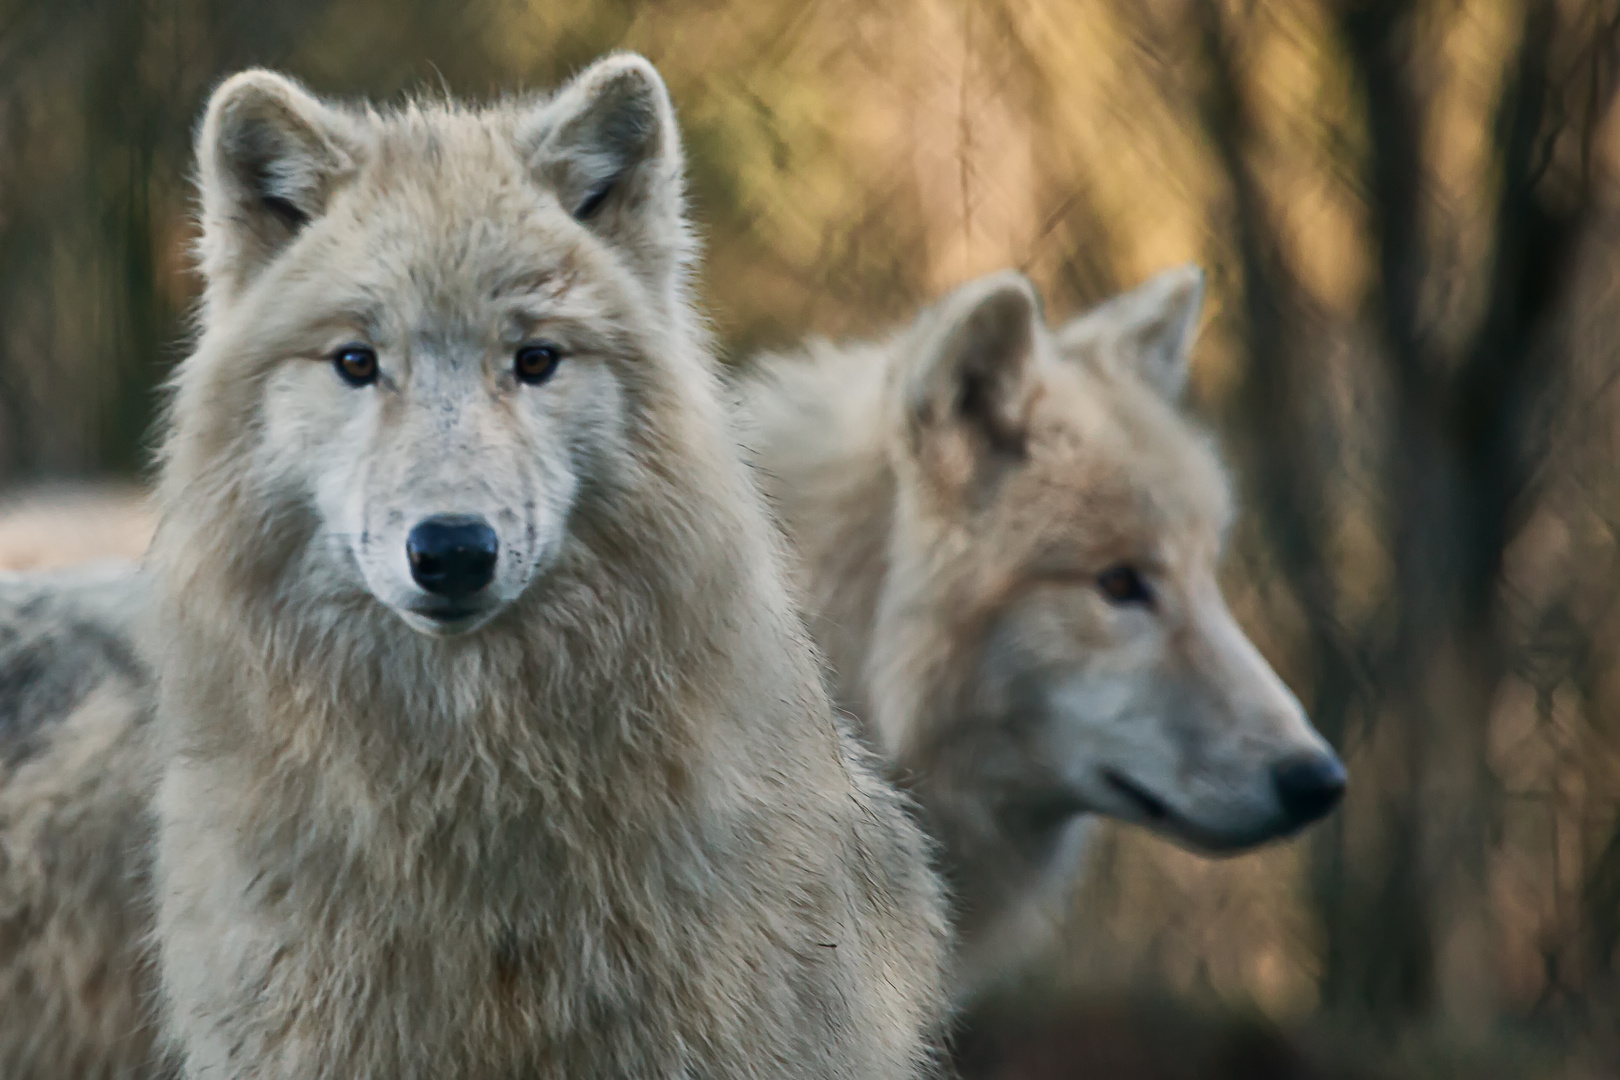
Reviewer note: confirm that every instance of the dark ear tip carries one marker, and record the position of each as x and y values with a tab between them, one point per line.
251	106
623	100
1005	300
1012	291
250	90
627	76
1188	280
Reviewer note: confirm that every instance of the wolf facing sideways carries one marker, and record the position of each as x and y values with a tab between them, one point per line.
490	743
1008	539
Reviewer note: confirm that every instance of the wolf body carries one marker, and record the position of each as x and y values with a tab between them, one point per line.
76	779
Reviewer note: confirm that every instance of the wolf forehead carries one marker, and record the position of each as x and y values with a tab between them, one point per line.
447	160
439	238
1112	462
468	200
442	193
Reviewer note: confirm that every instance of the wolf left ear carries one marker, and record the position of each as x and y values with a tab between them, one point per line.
607	145
269	155
1148	331
968	392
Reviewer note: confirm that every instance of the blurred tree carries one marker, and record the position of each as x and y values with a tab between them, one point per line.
1463	434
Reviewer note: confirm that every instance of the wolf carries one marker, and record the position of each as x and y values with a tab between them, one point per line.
1008	538
491	741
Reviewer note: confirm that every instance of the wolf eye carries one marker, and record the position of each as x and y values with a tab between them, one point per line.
536	363
356	365
1124	585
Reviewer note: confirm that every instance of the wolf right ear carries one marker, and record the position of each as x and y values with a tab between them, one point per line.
968	392
608	146
1147	332
268	157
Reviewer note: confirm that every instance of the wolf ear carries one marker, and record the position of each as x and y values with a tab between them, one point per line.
1148	331
268	158
968	394
607	145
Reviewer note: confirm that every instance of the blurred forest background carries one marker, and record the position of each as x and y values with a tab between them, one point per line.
1411	217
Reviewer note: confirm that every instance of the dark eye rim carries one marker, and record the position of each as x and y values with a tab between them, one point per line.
1123	585
366	374
551	357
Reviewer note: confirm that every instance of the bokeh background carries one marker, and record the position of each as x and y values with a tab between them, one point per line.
1410	215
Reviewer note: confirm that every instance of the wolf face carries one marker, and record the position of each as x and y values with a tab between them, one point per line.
434	353
1053	491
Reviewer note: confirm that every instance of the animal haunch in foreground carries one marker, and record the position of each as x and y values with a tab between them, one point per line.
492	746
76	976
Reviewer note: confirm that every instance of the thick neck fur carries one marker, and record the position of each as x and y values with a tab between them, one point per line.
816	426
819	428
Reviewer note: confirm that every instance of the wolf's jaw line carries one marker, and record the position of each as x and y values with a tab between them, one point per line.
1158	813
445	622
449	616
1151	805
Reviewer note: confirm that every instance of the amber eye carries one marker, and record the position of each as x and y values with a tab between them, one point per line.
536	363
356	365
1124	585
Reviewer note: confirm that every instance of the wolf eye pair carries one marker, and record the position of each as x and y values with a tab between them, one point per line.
532	364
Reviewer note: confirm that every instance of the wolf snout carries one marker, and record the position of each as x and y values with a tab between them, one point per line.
1309	785
452	555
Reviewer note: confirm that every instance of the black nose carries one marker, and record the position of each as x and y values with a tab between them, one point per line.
1309	785
452	554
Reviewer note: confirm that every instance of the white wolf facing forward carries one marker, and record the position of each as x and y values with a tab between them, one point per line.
492	745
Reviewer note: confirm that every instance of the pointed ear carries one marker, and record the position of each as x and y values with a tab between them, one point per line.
607	145
269	155
971	380
1148	331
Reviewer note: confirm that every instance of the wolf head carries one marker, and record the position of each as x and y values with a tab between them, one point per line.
1059	523
421	328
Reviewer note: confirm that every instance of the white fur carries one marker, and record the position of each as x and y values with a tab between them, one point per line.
608	828
957	494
